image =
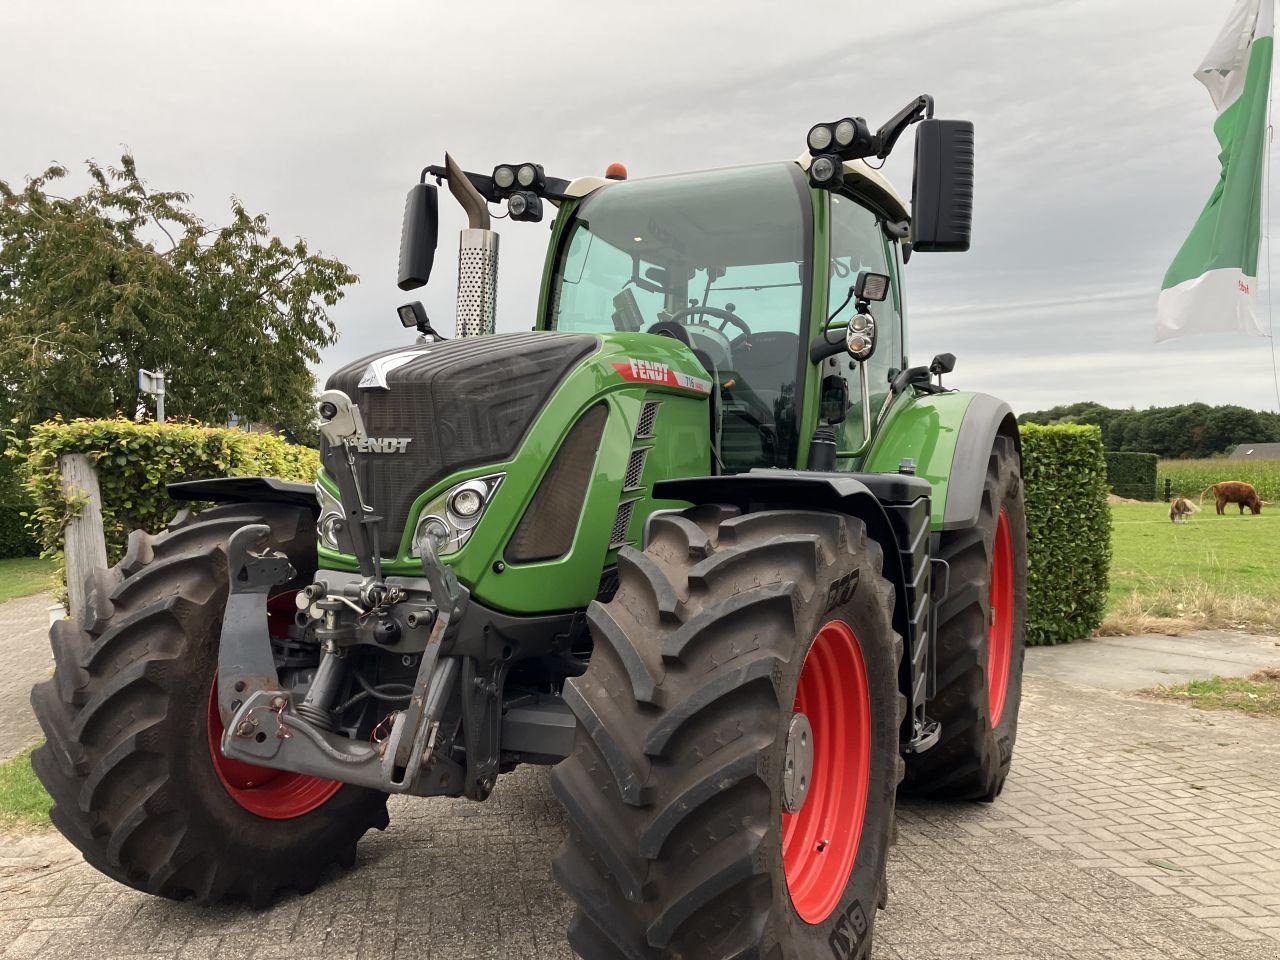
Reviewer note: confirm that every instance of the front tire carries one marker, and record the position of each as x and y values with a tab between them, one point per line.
980	645
723	631
131	759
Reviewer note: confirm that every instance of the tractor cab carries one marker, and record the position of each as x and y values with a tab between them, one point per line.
719	261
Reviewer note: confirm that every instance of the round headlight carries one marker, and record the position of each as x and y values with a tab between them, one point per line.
517	204
466	503
526	175
819	138
504	177
823	169
844	132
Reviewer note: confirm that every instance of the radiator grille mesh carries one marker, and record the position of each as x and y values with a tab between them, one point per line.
635	469
648	416
550	521
622	523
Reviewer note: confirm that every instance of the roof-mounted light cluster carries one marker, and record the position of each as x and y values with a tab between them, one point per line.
521	185
831	144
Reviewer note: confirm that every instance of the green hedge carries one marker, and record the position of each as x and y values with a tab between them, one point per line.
1068	531
15	539
1132	475
134	461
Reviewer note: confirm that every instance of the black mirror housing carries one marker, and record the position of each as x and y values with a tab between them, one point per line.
942	187
418	236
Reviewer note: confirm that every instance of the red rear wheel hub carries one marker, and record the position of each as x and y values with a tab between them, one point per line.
820	840
1000	636
274	794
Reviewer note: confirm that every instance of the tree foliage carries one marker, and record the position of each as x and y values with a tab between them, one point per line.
96	286
1186	430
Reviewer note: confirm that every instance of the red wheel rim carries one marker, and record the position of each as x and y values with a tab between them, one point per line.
274	794
1000	636
820	841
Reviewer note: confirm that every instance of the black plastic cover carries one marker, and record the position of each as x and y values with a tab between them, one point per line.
942	188
459	403
246	490
418	236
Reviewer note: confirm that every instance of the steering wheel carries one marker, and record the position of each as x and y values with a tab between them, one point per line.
724	314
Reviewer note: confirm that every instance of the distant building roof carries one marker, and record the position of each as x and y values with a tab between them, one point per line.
1256	451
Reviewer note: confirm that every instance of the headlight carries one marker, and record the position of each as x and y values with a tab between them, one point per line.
331	516
451	518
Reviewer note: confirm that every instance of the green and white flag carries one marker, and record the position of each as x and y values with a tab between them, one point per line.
1212	285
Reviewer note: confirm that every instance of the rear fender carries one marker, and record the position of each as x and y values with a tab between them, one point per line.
949	437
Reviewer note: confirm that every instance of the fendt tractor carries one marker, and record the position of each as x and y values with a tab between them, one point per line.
702	540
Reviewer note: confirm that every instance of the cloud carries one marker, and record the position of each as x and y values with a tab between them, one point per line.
1095	149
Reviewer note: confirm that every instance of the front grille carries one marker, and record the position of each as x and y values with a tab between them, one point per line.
461	403
550	521
622	523
635	469
648	416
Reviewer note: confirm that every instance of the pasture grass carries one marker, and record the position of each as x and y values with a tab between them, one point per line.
23	801
1258	695
1211	572
23	576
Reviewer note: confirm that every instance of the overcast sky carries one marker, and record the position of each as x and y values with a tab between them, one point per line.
1095	149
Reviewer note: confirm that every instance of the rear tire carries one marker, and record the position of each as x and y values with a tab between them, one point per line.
719	631
979	654
126	716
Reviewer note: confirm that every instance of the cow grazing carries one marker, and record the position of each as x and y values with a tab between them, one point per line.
1234	491
1181	508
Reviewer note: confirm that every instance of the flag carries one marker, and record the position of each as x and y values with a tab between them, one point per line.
1212	285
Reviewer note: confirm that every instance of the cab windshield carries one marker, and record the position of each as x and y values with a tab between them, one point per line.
717	260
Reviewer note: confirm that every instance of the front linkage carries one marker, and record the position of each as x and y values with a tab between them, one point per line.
461	659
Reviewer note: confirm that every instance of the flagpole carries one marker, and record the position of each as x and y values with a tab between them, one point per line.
1266	233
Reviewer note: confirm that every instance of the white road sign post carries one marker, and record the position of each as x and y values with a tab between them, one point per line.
152	382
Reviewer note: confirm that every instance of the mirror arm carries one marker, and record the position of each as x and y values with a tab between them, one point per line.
918	109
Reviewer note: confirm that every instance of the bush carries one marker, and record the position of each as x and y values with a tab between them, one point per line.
1068	531
1132	475
1191	477
15	539
134	461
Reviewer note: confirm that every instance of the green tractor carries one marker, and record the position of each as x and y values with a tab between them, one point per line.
702	540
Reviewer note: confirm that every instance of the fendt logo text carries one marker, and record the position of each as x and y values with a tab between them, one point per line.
384	444
649	370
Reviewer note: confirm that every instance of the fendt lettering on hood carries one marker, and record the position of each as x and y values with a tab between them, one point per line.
384	444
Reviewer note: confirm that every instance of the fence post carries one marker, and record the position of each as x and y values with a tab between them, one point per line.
1168	489
85	546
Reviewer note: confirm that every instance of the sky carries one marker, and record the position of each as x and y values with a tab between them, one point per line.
1095	150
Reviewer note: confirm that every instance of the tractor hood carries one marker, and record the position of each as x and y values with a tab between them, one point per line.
433	409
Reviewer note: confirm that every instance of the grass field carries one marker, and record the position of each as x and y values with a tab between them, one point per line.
1209	572
24	576
1190	477
23	802
1258	695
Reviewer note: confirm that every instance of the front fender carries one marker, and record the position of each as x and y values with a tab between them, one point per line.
949	437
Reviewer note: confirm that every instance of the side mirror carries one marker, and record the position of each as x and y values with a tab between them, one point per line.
942	187
418	236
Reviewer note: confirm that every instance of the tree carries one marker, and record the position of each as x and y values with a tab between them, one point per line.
1186	430
120	278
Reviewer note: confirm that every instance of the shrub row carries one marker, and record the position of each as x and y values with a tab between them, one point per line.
1068	531
15	539
134	462
1132	475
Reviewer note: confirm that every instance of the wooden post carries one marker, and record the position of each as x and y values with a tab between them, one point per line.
85	547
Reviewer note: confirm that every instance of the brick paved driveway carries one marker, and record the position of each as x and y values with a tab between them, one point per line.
1130	830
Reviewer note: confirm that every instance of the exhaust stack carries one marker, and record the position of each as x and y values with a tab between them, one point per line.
477	259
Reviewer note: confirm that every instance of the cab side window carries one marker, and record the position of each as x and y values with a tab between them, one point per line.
858	243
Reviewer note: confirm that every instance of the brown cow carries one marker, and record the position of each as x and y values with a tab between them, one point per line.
1234	491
